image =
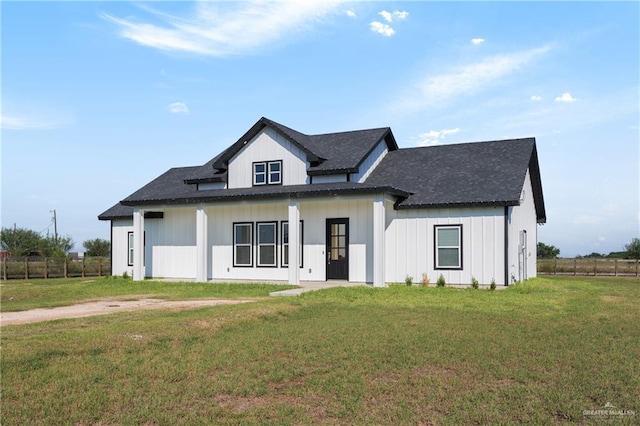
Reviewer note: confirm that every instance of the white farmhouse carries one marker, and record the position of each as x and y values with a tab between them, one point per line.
365	211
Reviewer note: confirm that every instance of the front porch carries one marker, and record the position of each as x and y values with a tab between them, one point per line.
251	241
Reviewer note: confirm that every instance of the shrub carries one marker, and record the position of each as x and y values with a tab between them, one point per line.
125	275
425	280
408	280
493	284
441	281
474	282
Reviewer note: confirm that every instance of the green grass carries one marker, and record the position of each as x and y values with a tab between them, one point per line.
539	352
19	295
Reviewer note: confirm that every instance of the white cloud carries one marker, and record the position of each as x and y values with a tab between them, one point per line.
386	16
179	108
566	97
434	137
222	29
380	28
467	79
536	98
400	15
22	123
395	15
350	13
477	41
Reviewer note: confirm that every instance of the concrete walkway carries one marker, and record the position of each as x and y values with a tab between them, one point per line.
314	285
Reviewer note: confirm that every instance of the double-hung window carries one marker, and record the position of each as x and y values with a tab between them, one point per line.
267	173
285	243
266	242
448	246
242	244
130	249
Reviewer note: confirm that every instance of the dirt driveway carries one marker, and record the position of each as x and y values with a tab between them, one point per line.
107	306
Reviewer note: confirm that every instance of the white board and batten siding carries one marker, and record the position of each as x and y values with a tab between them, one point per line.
410	244
120	229
170	244
268	145
523	253
317	179
313	214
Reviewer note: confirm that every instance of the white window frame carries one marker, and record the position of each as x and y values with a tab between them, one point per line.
270	172
437	247
285	259
130	248
236	245
260	244
267	173
263	173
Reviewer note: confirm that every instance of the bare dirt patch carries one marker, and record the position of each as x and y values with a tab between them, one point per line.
107	306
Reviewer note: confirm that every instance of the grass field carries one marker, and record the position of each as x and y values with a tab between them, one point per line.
539	352
20	295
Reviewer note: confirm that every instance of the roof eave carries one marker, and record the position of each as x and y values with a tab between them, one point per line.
321	172
223	161
214	179
261	196
402	206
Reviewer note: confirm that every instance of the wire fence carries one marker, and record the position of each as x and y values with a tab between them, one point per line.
589	266
52	267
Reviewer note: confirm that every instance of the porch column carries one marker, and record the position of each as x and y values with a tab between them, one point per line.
294	242
379	219
138	244
202	230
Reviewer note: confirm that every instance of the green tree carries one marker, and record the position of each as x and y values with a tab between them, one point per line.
547	251
49	247
633	249
97	247
20	241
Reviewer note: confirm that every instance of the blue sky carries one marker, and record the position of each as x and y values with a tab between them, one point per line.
98	98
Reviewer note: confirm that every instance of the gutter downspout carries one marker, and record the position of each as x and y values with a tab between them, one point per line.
506	245
111	246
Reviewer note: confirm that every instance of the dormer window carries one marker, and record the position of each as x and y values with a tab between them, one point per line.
267	173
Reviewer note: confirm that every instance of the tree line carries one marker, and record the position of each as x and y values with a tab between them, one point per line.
631	251
22	242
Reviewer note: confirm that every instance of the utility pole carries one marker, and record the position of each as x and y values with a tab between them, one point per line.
55	227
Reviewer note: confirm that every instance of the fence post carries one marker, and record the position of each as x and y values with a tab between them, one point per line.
83	267
637	261
595	267
66	269
4	268
555	266
26	268
46	271
575	266
99	266
615	267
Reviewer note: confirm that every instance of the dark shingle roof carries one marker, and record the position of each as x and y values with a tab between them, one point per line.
207	173
118	211
481	173
328	153
469	174
345	151
169	188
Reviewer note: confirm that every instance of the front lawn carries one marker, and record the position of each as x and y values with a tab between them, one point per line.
20	295
539	352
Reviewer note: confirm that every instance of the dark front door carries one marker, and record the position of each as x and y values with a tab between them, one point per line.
338	249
